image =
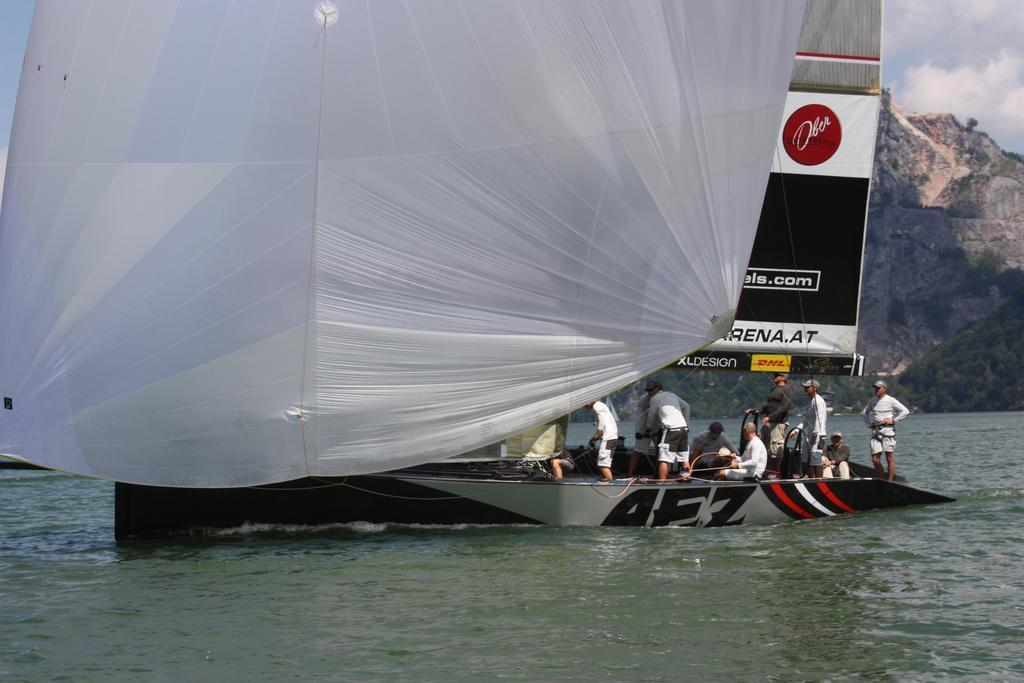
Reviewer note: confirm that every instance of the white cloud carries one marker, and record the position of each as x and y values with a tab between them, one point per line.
959	57
951	32
992	92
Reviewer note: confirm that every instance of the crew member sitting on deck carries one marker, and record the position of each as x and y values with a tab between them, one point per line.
755	458
835	460
560	464
711	441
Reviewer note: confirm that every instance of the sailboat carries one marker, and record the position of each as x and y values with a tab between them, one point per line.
260	259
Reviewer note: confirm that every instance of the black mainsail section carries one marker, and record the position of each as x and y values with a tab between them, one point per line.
798	308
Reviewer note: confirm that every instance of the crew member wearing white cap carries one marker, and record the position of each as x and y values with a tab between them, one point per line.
665	417
880	415
813	427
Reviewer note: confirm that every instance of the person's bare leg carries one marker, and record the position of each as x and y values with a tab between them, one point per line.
876	460
662	471
556	469
634	460
891	458
606	473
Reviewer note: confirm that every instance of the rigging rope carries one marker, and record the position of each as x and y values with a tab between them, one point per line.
326	14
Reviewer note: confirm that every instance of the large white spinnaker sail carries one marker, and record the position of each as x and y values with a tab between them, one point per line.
800	301
243	242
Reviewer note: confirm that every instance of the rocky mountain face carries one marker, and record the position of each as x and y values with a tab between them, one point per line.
946	222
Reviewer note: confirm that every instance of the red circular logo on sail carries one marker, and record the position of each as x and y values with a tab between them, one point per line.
812	134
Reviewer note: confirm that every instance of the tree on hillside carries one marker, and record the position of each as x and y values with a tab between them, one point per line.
982	368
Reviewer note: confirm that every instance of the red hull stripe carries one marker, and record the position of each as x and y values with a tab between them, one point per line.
789	502
834	498
826	55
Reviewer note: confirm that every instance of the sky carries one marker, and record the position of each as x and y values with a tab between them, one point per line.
959	56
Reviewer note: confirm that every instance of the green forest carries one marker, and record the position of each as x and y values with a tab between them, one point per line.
979	369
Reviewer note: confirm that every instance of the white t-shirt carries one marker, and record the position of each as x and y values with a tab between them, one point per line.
666	411
882	407
814	418
755	457
606	422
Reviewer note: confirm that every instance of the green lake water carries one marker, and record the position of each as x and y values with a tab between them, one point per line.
926	593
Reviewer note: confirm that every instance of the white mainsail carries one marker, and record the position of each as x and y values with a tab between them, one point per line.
245	242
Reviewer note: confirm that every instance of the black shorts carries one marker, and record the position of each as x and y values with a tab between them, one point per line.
675	439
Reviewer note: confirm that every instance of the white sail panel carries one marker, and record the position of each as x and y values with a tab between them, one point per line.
498	210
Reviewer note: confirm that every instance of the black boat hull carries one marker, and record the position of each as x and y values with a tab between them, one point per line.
502	495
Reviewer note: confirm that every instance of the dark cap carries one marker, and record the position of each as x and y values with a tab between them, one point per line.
716	428
810	383
651	384
778	376
879	384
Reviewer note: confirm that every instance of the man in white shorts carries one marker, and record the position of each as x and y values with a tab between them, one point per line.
880	414
755	458
606	435
665	419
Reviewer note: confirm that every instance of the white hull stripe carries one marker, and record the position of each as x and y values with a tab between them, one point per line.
810	499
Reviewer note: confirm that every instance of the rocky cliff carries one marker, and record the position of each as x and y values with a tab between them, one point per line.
946	222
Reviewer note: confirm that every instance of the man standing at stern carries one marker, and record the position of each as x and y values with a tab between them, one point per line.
881	414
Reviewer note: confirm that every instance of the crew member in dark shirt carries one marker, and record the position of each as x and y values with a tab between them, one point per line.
835	459
774	416
709	443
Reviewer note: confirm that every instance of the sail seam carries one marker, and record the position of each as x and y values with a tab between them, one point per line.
579	295
380	77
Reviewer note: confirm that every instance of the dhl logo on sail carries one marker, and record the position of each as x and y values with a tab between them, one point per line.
765	362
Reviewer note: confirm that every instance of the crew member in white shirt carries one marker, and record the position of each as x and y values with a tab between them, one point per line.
644	438
755	458
814	427
880	415
665	417
606	436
